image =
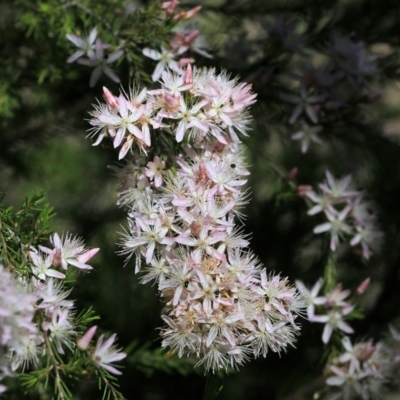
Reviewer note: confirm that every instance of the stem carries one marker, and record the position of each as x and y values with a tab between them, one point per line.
330	272
4	244
110	387
55	367
213	387
95	16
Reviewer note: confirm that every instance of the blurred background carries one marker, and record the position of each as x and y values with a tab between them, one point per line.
44	105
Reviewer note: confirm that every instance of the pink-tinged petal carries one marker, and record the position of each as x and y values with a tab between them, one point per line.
335	381
88	255
177	295
323	227
55	274
95	76
64	264
75	56
4	312
263	276
135	131
327	333
78	264
150	252
125	148
345	327
225	118
111	369
188	241
114	56
108	343
229	336
119	137
92	35
158	71
212	334
169	321
167	241
151	53
147	137
76	40
84	341
202	277
99	140
111	74
116	357
57	241
319	318
158	180
46	249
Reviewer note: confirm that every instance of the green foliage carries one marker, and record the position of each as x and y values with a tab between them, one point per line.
149	360
20	229
213	387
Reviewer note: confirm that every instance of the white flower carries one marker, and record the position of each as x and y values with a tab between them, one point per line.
306	135
106	354
165	58
86	45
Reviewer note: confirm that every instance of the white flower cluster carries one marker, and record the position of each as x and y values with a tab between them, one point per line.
349	215
221	305
332	308
17	328
35	311
363	371
203	104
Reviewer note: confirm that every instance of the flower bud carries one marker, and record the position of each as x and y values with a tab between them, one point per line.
110	98
303	189
83	342
363	286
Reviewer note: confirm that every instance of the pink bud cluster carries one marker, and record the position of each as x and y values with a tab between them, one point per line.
199	104
350	216
183	40
221	306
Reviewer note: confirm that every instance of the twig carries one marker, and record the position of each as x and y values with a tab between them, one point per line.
55	366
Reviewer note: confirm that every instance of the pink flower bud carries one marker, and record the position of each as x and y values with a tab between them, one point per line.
171	103
188	75
303	189
292	173
185	61
192	12
57	258
363	286
190	37
367	353
88	255
188	14
169	6
84	341
110	98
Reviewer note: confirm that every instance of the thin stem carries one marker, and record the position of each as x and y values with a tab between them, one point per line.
110	387
55	367
4	244
330	272
95	16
